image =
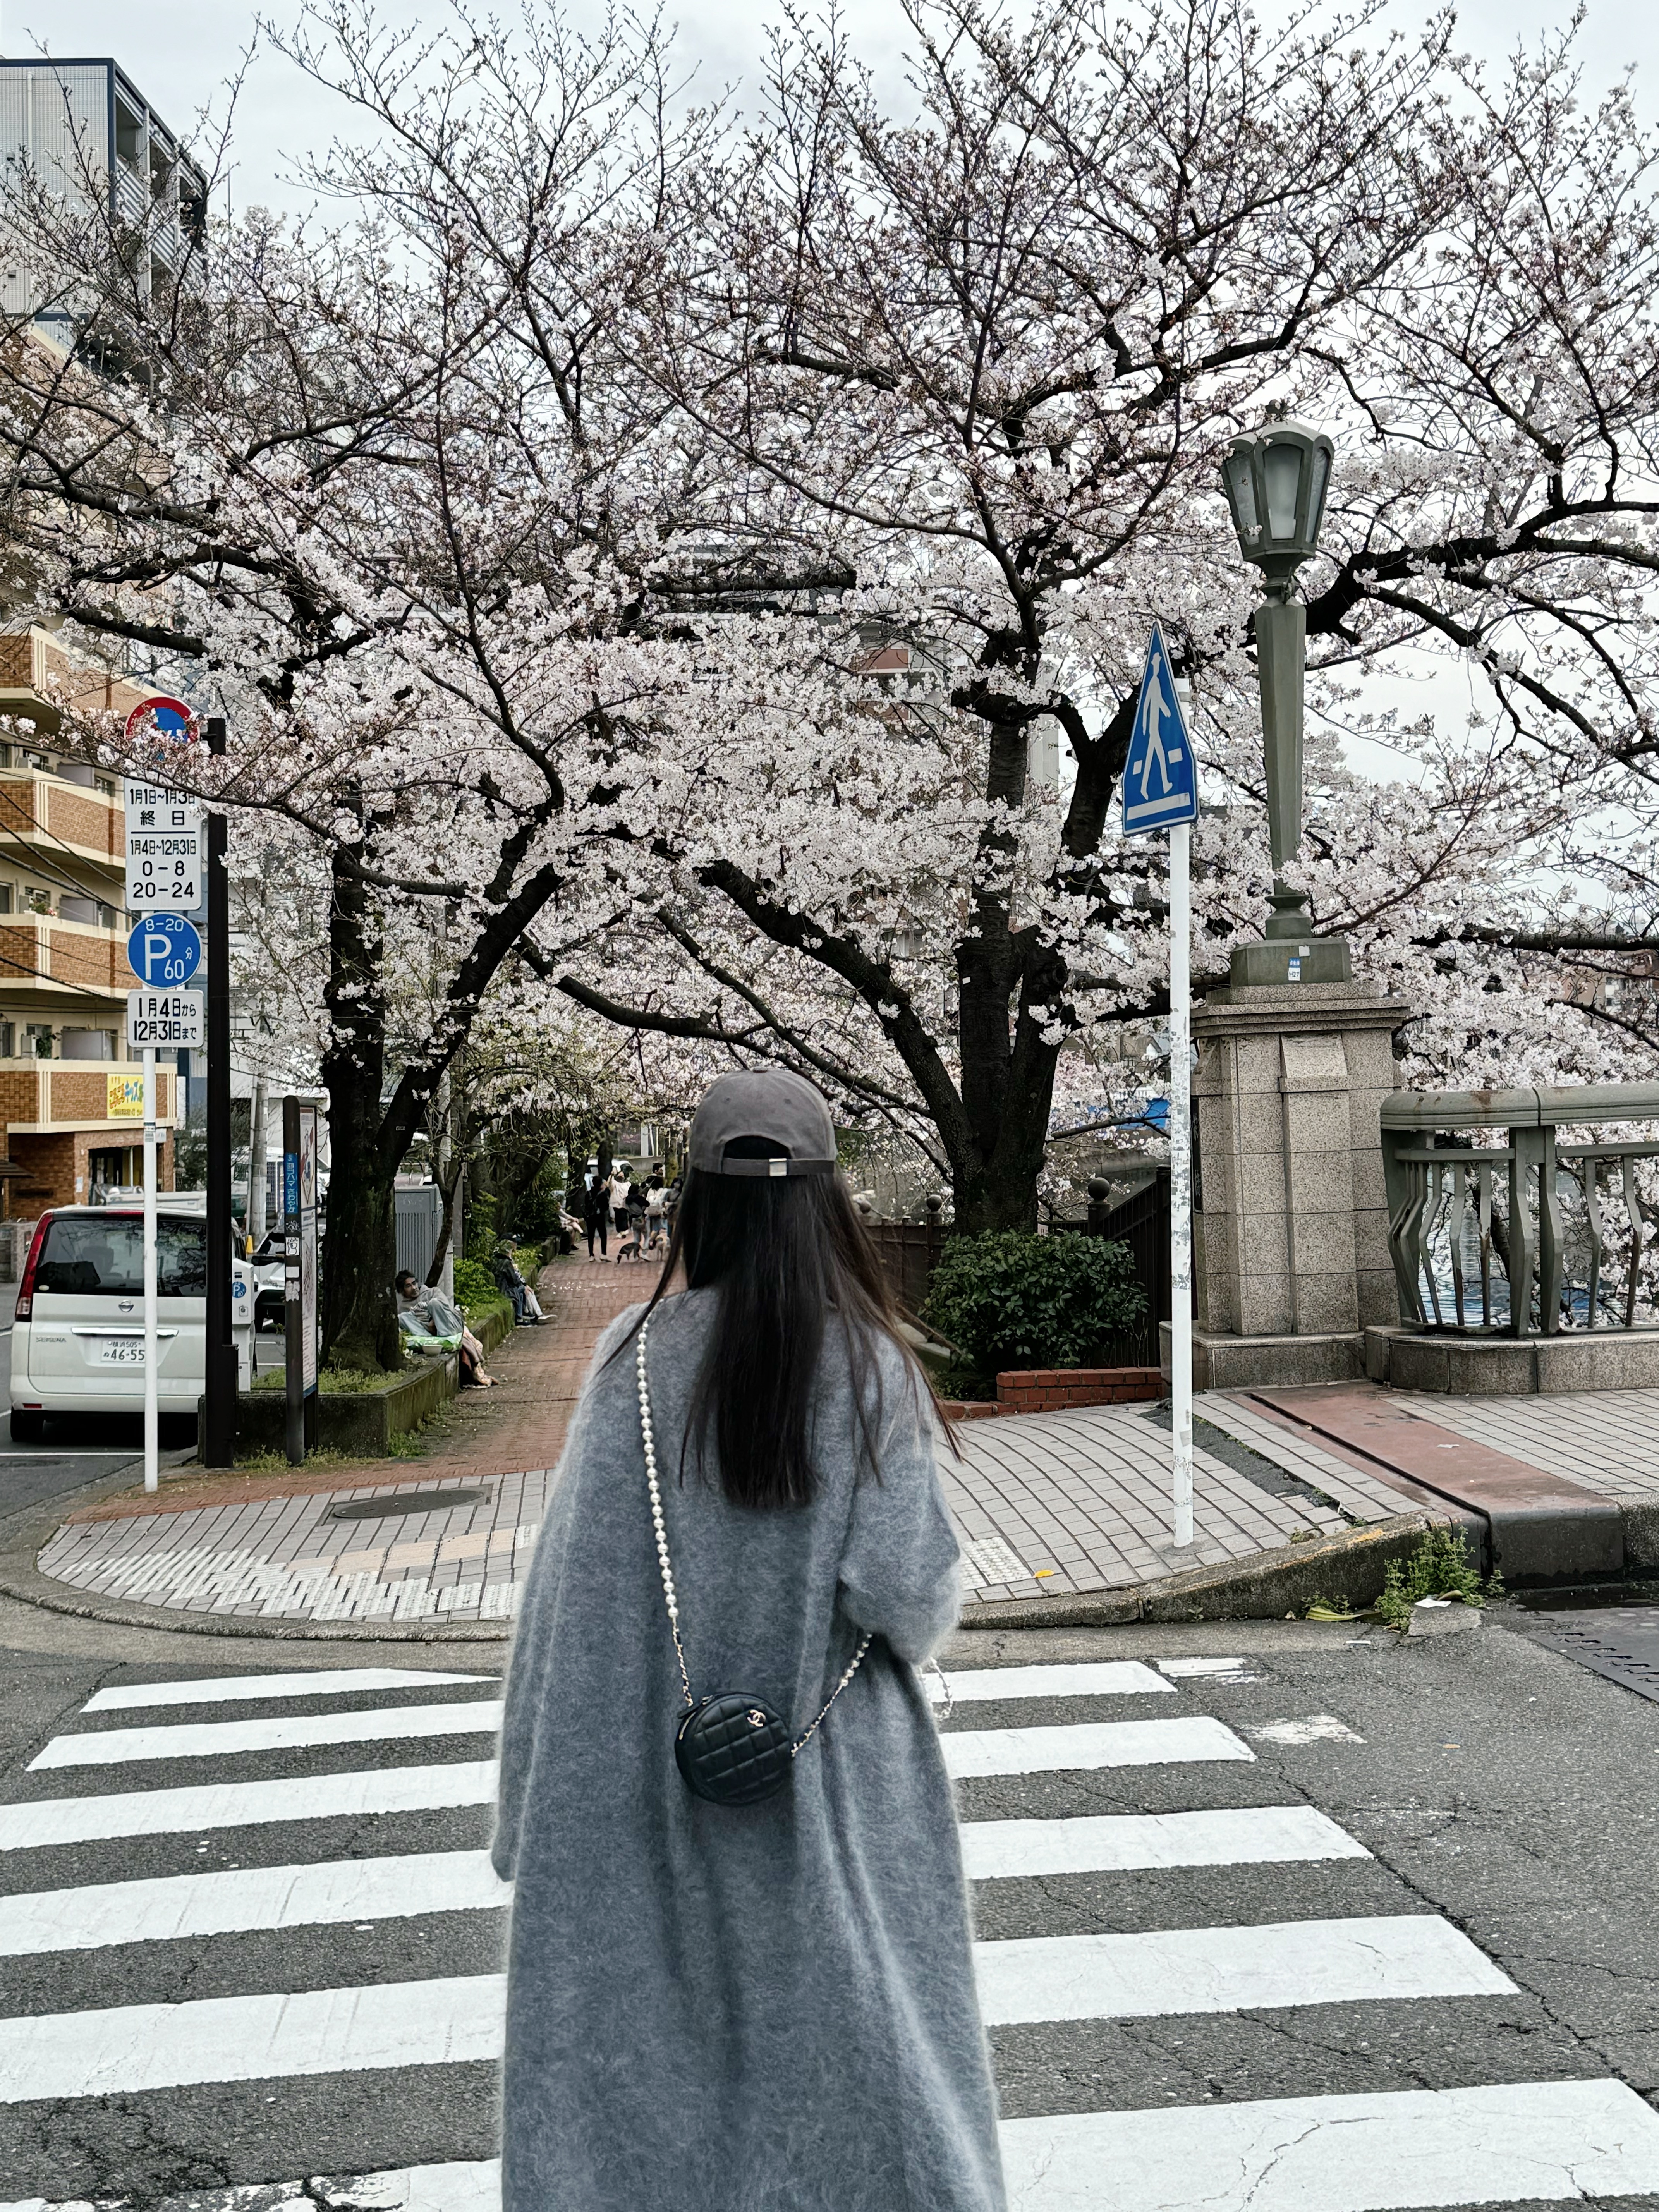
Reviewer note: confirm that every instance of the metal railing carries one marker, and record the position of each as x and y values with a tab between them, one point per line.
1526	1229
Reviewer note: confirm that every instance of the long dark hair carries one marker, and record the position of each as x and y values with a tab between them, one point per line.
788	1256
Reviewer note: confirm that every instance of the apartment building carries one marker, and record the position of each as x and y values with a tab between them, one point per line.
83	130
72	1097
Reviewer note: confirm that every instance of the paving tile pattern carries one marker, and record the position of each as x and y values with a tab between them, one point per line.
1363	1495
1053	1505
1606	1441
1047	1504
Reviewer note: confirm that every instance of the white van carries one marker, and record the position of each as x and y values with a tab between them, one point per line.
77	1344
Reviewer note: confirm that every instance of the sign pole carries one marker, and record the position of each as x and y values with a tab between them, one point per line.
152	1468
219	1428
1160	791
1180	1180
294	1340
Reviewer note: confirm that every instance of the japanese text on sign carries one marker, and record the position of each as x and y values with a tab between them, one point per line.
164	848
165	1018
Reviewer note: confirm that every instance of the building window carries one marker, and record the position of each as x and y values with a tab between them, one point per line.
8	1040
5	898
105	784
38	1040
105	916
71	909
129	136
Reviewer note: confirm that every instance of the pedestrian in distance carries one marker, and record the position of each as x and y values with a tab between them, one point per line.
596	1215
620	1177
739	1971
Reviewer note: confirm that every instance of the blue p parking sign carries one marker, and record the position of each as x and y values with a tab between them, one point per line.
1160	777
164	950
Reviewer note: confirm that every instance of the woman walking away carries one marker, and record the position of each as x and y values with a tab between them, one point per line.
739	1974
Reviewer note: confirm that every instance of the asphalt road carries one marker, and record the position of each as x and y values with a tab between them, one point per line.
1363	1917
76	1448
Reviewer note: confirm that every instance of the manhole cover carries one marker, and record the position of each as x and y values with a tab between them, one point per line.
1621	1642
408	1501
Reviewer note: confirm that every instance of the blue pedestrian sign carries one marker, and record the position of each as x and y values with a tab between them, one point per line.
164	950
1160	777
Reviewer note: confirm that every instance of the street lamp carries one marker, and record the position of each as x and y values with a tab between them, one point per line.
1276	482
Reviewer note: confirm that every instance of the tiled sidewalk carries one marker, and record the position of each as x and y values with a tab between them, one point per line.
1047	1504
1607	1441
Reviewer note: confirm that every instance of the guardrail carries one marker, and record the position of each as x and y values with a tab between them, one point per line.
1534	1206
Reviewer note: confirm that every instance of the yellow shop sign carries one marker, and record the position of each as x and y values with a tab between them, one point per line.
126	1097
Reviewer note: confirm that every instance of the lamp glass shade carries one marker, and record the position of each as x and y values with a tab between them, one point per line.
1241	493
1322	477
1281	470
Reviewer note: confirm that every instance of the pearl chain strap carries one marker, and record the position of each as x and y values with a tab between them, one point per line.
659	1526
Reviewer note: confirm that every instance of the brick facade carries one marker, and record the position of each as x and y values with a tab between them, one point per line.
56	1170
1056	1389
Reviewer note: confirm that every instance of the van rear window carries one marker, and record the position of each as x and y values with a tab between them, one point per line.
87	1258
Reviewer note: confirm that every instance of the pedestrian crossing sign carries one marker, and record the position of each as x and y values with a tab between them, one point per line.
1160	778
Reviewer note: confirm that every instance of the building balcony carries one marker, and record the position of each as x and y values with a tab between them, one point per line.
45	1097
45	954
39	680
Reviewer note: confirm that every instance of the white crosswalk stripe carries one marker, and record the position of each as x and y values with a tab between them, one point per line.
1119	1842
1104	1678
1549	2141
1089	1744
175	1905
281	1732
50	1821
323	1682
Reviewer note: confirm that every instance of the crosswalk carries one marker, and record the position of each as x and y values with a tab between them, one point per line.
318	1920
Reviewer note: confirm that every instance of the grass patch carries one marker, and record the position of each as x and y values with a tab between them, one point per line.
1439	1567
342	1381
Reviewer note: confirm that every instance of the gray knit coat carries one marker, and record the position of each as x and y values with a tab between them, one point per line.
717	2009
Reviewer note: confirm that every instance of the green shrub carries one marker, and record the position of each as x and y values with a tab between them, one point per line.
1439	1567
1010	1301
473	1282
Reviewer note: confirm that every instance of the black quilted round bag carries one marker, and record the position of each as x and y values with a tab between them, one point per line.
731	1748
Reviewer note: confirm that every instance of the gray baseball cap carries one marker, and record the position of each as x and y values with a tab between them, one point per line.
770	1103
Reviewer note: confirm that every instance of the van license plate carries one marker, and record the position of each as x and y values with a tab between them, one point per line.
122	1352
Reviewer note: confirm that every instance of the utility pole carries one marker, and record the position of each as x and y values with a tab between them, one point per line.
219	1438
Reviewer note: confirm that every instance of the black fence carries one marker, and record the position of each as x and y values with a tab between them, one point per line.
909	1251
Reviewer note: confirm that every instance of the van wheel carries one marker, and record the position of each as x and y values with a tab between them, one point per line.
27	1428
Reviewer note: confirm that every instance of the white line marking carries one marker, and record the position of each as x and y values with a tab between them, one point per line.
49	1821
250	2039
1090	1743
1182	1670
281	1732
1318	1728
462	2186
1103	1678
162	1910
326	1682
1115	1842
1194	1970
1544	2141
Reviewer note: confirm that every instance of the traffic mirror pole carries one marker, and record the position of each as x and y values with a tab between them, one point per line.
219	1428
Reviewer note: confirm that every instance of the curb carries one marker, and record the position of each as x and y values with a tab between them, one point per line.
22	1535
1266	1586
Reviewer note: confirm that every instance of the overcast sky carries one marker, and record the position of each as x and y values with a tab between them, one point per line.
180	52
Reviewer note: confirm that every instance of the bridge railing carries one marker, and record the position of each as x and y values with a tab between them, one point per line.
1494	1226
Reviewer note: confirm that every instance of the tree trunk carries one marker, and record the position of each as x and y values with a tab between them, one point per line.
1007	1077
360	1252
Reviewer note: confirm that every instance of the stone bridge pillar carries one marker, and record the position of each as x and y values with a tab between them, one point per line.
1290	1224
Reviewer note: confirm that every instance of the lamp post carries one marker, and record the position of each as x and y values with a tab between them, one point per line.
1276	481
